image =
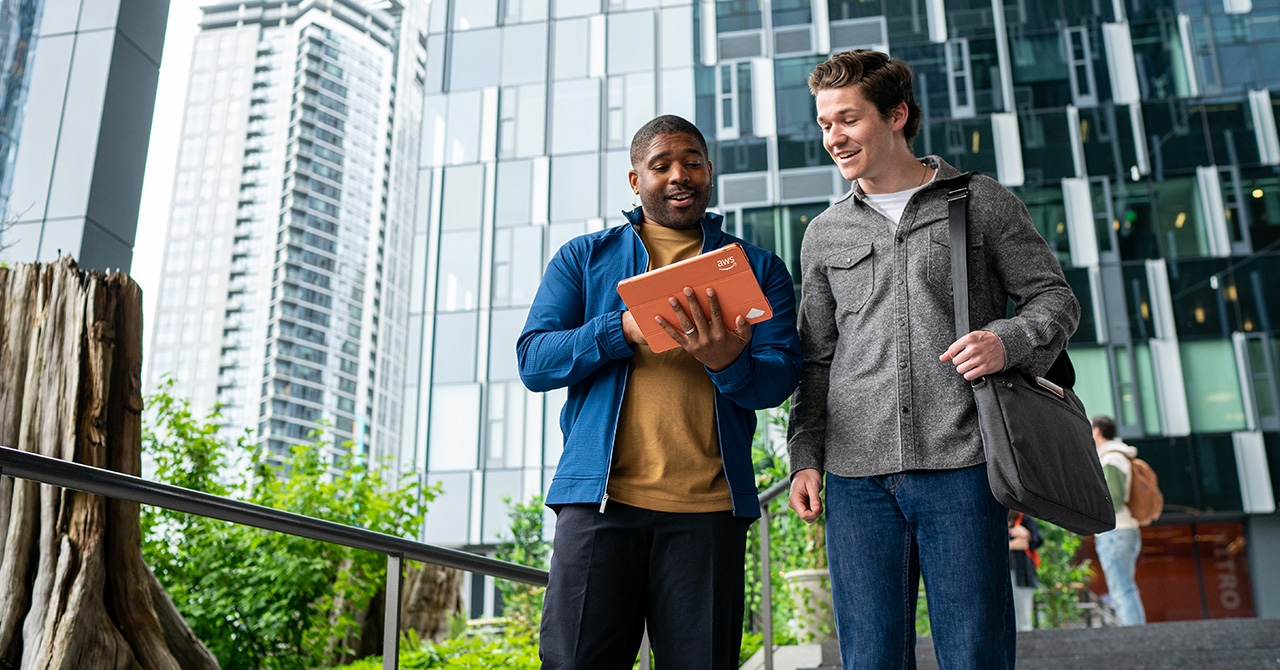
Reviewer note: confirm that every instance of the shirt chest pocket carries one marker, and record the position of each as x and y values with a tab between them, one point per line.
939	255
851	274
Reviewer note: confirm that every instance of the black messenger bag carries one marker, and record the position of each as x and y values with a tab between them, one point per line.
1041	459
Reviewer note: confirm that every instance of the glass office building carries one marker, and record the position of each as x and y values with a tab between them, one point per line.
77	94
285	268
1141	135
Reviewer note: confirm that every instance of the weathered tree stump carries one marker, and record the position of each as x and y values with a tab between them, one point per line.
74	591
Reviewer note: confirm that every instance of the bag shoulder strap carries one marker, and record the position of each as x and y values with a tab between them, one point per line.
957	227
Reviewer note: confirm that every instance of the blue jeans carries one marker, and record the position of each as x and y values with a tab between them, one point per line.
1118	553
883	532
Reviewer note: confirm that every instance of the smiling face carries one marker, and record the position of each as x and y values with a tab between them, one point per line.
673	180
864	144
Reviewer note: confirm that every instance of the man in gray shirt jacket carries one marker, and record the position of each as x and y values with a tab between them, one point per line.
884	406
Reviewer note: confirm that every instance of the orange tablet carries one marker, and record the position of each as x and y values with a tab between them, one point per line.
725	270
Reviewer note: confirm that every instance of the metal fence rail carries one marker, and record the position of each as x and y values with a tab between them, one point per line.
766	580
111	484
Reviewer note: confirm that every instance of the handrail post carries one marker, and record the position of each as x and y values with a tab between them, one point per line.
391	613
644	649
766	587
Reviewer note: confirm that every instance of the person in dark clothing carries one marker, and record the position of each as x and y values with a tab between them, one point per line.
1024	561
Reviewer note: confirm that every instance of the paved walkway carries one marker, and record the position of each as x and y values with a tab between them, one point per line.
1230	644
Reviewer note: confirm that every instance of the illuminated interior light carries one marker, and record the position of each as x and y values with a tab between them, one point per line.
976	137
1257	193
1199	314
1231	292
1084	130
1248	325
1182	219
1146	310
1061	227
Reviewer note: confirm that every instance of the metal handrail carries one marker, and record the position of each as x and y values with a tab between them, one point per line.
80	477
766	578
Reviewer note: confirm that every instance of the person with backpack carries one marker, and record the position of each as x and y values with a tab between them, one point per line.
1118	549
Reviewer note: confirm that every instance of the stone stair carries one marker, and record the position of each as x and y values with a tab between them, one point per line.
1226	644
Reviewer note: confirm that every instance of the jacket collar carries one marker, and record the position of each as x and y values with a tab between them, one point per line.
711	226
945	172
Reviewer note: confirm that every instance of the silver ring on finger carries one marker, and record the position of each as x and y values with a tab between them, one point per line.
691	330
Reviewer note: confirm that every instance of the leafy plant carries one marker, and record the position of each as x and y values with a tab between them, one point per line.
522	603
469	652
1061	577
260	599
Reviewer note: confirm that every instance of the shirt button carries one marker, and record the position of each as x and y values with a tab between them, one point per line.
903	365
906	410
901	240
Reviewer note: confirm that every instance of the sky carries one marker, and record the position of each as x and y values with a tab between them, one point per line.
166	127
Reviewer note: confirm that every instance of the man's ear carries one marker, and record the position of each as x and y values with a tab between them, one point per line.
899	116
634	178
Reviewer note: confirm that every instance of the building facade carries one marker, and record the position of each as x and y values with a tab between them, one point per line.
282	292
79	88
1141	135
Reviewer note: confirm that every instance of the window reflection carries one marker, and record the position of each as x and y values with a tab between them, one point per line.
455	427
454	357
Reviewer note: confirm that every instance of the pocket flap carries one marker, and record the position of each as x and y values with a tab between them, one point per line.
849	257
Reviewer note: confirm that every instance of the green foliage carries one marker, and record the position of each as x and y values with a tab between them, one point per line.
471	652
522	603
794	545
1061	578
260	599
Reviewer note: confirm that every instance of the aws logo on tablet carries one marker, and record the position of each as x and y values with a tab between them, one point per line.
726	270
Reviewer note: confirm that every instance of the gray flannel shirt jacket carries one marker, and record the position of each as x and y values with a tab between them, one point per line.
876	312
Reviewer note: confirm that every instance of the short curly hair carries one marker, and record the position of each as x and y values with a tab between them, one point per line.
667	124
885	82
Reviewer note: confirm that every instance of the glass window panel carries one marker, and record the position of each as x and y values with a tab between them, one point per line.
1046	148
514	193
572	41
631	42
575	123
1204	296
531	115
735	15
1182	231
468	14
455	427
501	490
617	188
1213	386
1087	330
566	8
1215	464
459	284
1172	460
1040	75
1136	229
524	54
454	359
1263	384
462	133
1147	393
1049	215
796	108
677	37
526	264
474	62
575	187
1093	380
504	328
463	201
1262	201
638	106
448	516
964	143
1176	129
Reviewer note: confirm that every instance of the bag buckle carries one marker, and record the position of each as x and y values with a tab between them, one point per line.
957	194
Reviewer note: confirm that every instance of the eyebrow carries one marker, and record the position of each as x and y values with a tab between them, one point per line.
667	154
840	112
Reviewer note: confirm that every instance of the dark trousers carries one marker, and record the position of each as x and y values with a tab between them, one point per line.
613	573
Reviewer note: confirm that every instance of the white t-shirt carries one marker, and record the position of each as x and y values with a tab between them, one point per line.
893	204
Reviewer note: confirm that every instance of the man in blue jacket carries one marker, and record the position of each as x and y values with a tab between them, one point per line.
655	489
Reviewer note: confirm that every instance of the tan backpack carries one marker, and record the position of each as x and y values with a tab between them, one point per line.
1146	502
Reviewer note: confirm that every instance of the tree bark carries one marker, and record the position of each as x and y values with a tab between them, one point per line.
74	591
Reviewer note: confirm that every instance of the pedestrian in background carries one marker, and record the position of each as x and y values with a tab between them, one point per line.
1118	549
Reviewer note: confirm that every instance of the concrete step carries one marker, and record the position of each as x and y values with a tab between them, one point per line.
1229	644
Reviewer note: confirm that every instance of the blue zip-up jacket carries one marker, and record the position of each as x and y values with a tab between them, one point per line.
573	338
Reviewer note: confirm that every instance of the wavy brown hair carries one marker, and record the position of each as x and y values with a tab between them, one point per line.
885	82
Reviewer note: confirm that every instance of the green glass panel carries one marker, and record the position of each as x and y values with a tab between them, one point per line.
1213	386
1093	380
1147	393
